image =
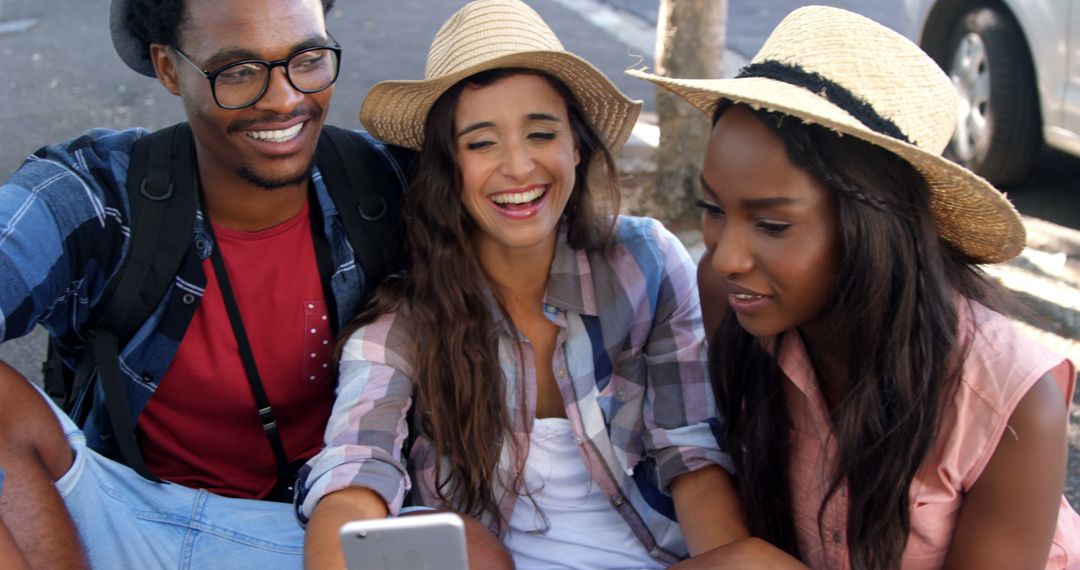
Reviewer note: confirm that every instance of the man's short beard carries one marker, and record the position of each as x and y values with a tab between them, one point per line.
269	184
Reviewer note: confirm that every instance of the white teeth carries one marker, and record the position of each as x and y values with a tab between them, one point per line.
746	297
281	136
519	197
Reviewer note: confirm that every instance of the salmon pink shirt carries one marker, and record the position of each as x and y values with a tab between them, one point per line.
999	370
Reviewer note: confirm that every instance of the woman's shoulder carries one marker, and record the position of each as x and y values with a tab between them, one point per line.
1000	366
643	231
647	241
388	339
1001	363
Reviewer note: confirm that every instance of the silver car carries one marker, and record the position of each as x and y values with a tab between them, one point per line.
1017	69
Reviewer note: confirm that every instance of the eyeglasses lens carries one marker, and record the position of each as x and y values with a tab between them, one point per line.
309	71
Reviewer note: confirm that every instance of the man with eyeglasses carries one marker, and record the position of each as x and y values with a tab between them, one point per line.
255	78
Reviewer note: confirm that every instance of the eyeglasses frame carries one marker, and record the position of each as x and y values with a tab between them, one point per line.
212	76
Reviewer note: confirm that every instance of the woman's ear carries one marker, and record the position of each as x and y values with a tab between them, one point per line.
164	67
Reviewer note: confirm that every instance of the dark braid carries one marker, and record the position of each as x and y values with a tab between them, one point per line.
840	184
816	164
159	21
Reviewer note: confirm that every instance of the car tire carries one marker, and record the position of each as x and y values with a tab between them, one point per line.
998	125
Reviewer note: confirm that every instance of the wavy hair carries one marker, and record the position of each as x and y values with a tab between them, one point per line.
460	399
895	314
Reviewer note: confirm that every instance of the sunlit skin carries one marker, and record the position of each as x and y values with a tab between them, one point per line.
516	154
770	229
235	169
514	141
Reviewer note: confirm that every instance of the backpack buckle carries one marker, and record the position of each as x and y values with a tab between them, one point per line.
373	217
145	190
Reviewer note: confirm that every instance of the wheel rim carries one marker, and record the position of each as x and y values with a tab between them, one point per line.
970	73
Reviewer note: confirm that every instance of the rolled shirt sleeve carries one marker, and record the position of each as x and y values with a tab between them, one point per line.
683	430
367	427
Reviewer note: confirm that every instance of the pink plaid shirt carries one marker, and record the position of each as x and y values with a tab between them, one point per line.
629	362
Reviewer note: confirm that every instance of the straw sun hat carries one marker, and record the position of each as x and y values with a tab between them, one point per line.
854	76
493	34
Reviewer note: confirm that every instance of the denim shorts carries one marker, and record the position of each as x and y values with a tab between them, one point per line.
126	521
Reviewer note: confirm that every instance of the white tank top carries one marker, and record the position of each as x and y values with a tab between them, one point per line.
585	532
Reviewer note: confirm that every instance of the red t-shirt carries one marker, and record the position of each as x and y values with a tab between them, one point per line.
201	427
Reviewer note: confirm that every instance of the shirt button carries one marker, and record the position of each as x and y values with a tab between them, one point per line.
655	552
188	298
200	244
836	536
147	378
618	501
562	373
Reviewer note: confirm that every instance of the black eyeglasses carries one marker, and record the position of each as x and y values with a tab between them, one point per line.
240	84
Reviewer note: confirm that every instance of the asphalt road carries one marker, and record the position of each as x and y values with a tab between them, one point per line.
59	76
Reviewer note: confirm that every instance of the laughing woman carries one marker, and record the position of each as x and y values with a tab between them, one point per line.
544	356
880	415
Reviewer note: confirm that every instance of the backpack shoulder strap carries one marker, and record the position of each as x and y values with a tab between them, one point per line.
367	185
161	190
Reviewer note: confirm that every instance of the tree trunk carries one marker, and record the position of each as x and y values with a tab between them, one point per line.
689	44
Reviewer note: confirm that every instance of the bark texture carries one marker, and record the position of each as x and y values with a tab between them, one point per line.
689	44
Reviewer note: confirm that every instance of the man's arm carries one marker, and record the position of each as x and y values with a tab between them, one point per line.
10	555
62	219
60	237
34	453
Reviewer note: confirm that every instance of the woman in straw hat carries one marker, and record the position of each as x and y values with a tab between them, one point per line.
544	356
880	415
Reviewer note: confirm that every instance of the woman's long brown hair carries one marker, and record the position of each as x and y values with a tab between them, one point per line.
895	313
460	399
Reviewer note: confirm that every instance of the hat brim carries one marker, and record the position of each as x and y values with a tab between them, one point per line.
395	111
972	215
131	50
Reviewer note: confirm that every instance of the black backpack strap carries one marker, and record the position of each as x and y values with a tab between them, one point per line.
162	184
161	189
369	199
58	384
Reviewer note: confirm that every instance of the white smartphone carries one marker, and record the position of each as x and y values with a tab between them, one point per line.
418	542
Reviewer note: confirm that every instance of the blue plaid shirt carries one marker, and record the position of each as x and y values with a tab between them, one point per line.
64	230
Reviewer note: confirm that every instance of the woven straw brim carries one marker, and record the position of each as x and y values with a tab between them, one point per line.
972	215
395	111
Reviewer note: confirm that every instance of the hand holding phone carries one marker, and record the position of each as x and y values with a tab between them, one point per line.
435	541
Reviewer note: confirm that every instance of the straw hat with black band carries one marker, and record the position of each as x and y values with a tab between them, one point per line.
494	34
840	70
